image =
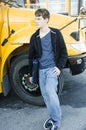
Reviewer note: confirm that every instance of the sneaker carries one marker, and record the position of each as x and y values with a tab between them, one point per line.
54	127
48	124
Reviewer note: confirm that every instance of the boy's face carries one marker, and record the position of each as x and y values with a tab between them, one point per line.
41	22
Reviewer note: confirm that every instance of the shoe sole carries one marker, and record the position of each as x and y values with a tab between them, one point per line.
45	127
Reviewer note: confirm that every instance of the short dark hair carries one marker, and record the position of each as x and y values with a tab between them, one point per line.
42	12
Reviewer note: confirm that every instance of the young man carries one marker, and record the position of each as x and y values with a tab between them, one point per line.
47	45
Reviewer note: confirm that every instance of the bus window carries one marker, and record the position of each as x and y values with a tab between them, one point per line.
74	7
42	3
57	6
34	4
15	3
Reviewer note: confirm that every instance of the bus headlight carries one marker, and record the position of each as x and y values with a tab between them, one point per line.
79	46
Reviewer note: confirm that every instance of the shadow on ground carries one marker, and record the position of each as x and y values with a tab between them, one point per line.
74	94
12	101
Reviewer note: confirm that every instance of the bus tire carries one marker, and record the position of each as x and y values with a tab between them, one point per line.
19	67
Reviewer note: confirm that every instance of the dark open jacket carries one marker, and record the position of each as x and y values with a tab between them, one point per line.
58	44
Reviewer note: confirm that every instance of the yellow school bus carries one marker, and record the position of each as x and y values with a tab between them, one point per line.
17	24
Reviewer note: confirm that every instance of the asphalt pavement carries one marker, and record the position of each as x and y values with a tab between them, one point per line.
18	115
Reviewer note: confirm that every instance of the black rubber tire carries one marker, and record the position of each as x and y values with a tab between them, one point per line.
19	66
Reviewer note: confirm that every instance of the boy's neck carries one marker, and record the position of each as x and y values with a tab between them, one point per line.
44	30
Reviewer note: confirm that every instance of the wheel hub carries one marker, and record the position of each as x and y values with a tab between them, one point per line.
27	85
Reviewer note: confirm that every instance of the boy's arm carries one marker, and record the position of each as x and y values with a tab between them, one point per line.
31	55
63	52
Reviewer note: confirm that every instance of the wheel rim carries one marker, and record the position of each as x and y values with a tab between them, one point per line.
27	85
22	76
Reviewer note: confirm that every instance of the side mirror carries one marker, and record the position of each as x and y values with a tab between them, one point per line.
82	11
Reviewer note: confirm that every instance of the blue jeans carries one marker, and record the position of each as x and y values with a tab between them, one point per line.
48	82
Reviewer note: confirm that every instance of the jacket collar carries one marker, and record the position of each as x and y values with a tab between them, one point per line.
53	40
53	33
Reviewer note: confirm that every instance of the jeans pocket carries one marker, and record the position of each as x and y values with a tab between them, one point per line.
51	73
